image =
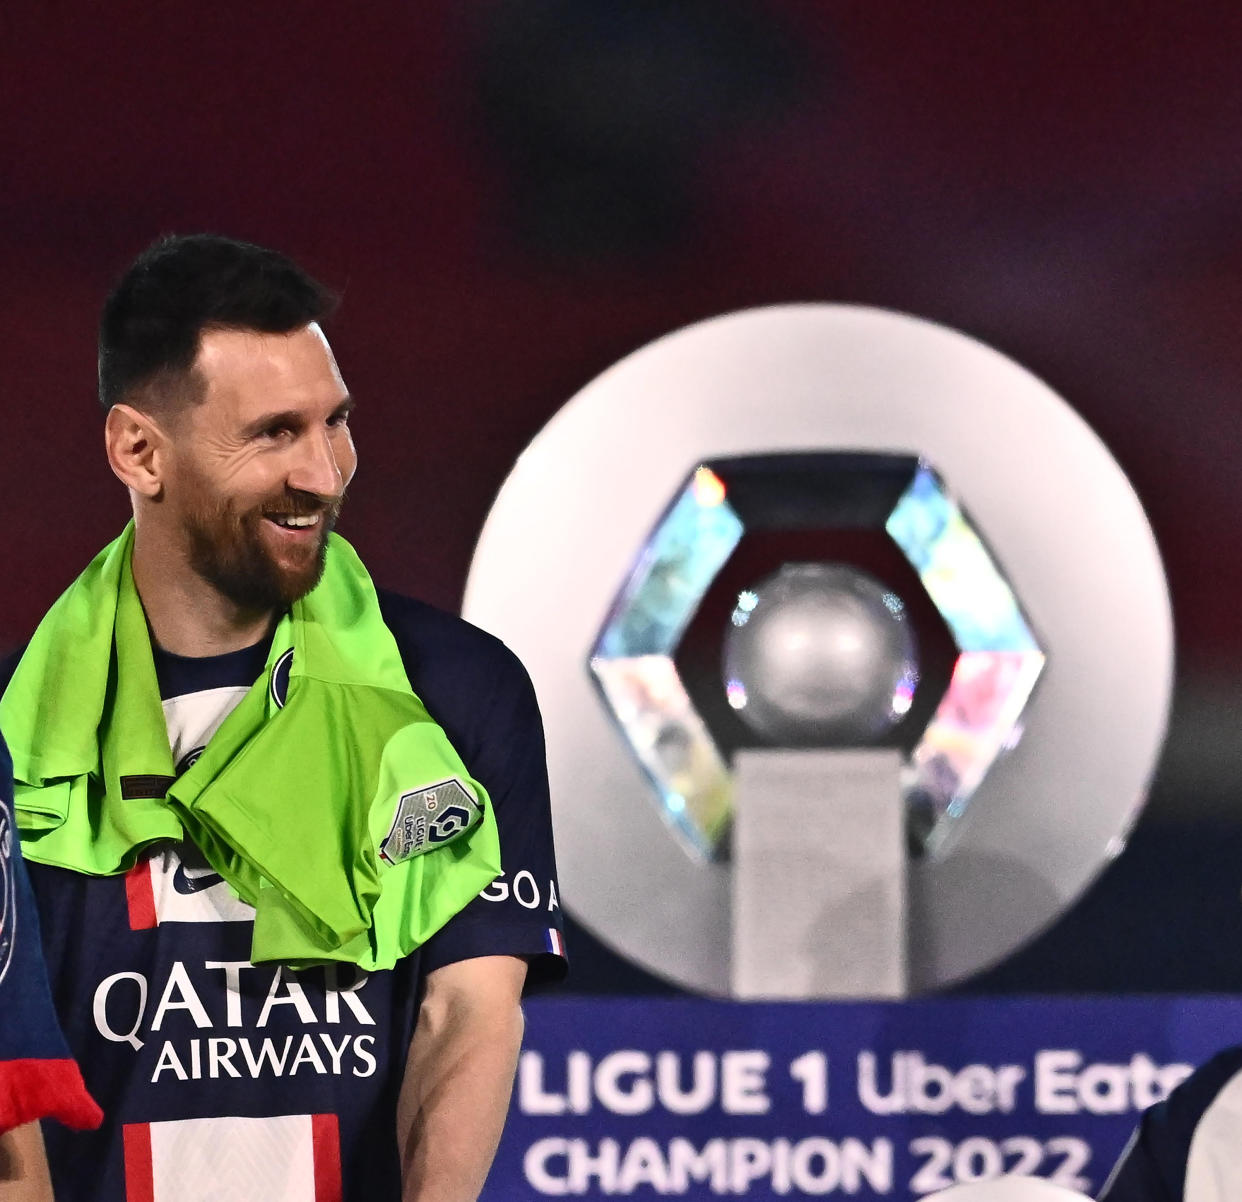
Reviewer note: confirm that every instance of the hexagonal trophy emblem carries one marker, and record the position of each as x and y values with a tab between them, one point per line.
979	711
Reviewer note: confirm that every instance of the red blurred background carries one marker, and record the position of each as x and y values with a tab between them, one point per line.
511	196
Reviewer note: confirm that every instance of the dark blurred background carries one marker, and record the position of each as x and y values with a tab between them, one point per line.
511	196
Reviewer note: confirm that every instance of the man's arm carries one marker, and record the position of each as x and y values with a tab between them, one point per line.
23	1166
459	1077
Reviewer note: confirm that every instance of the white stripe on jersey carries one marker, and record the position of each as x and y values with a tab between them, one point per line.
280	1159
184	888
193	718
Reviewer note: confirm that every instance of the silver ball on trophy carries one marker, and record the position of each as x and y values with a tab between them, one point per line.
820	655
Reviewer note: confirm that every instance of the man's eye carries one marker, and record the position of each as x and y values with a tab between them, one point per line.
339	419
275	432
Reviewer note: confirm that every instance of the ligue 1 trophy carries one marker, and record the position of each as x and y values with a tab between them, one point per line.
840	807
811	817
819	656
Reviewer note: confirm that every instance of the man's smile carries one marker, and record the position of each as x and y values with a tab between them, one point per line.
295	526
294	521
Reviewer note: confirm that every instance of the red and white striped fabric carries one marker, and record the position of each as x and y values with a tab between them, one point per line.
293	1158
162	887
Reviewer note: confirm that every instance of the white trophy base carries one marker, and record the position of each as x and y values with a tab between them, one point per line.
819	875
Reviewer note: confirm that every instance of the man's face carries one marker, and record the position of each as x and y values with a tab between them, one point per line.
258	469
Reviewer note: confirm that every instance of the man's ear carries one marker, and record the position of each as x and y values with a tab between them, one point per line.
137	449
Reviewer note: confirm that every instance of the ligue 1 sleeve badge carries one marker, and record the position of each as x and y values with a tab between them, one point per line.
836	637
429	817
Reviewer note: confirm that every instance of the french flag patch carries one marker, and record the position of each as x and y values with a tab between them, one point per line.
554	941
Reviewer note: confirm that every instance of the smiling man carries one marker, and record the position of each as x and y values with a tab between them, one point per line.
235	498
270	812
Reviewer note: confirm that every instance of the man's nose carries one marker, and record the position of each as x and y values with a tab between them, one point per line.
316	469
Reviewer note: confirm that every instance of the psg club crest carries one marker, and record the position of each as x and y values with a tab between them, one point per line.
428	818
8	891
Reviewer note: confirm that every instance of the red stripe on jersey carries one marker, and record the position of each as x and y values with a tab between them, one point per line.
326	1150
140	893
139	1177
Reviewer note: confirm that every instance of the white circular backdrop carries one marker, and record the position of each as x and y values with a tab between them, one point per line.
1045	495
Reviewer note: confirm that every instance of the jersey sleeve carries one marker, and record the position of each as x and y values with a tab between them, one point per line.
519	914
38	1077
482	696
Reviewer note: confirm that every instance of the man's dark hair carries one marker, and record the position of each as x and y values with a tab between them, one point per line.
180	287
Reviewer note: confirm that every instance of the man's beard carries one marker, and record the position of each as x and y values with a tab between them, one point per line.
227	550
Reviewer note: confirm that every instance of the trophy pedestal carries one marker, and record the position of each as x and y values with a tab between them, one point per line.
819	875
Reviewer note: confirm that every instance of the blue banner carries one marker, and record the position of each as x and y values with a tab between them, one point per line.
707	1099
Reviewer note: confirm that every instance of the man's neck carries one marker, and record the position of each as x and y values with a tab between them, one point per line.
187	615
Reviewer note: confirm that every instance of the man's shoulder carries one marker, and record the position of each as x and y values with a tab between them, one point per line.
443	653
1204	1086
1196	1122
422	621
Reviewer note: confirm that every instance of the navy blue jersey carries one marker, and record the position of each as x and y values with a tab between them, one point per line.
1190	1145
38	1078
262	1081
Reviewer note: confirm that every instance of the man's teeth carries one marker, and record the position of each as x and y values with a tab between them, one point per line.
309	519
